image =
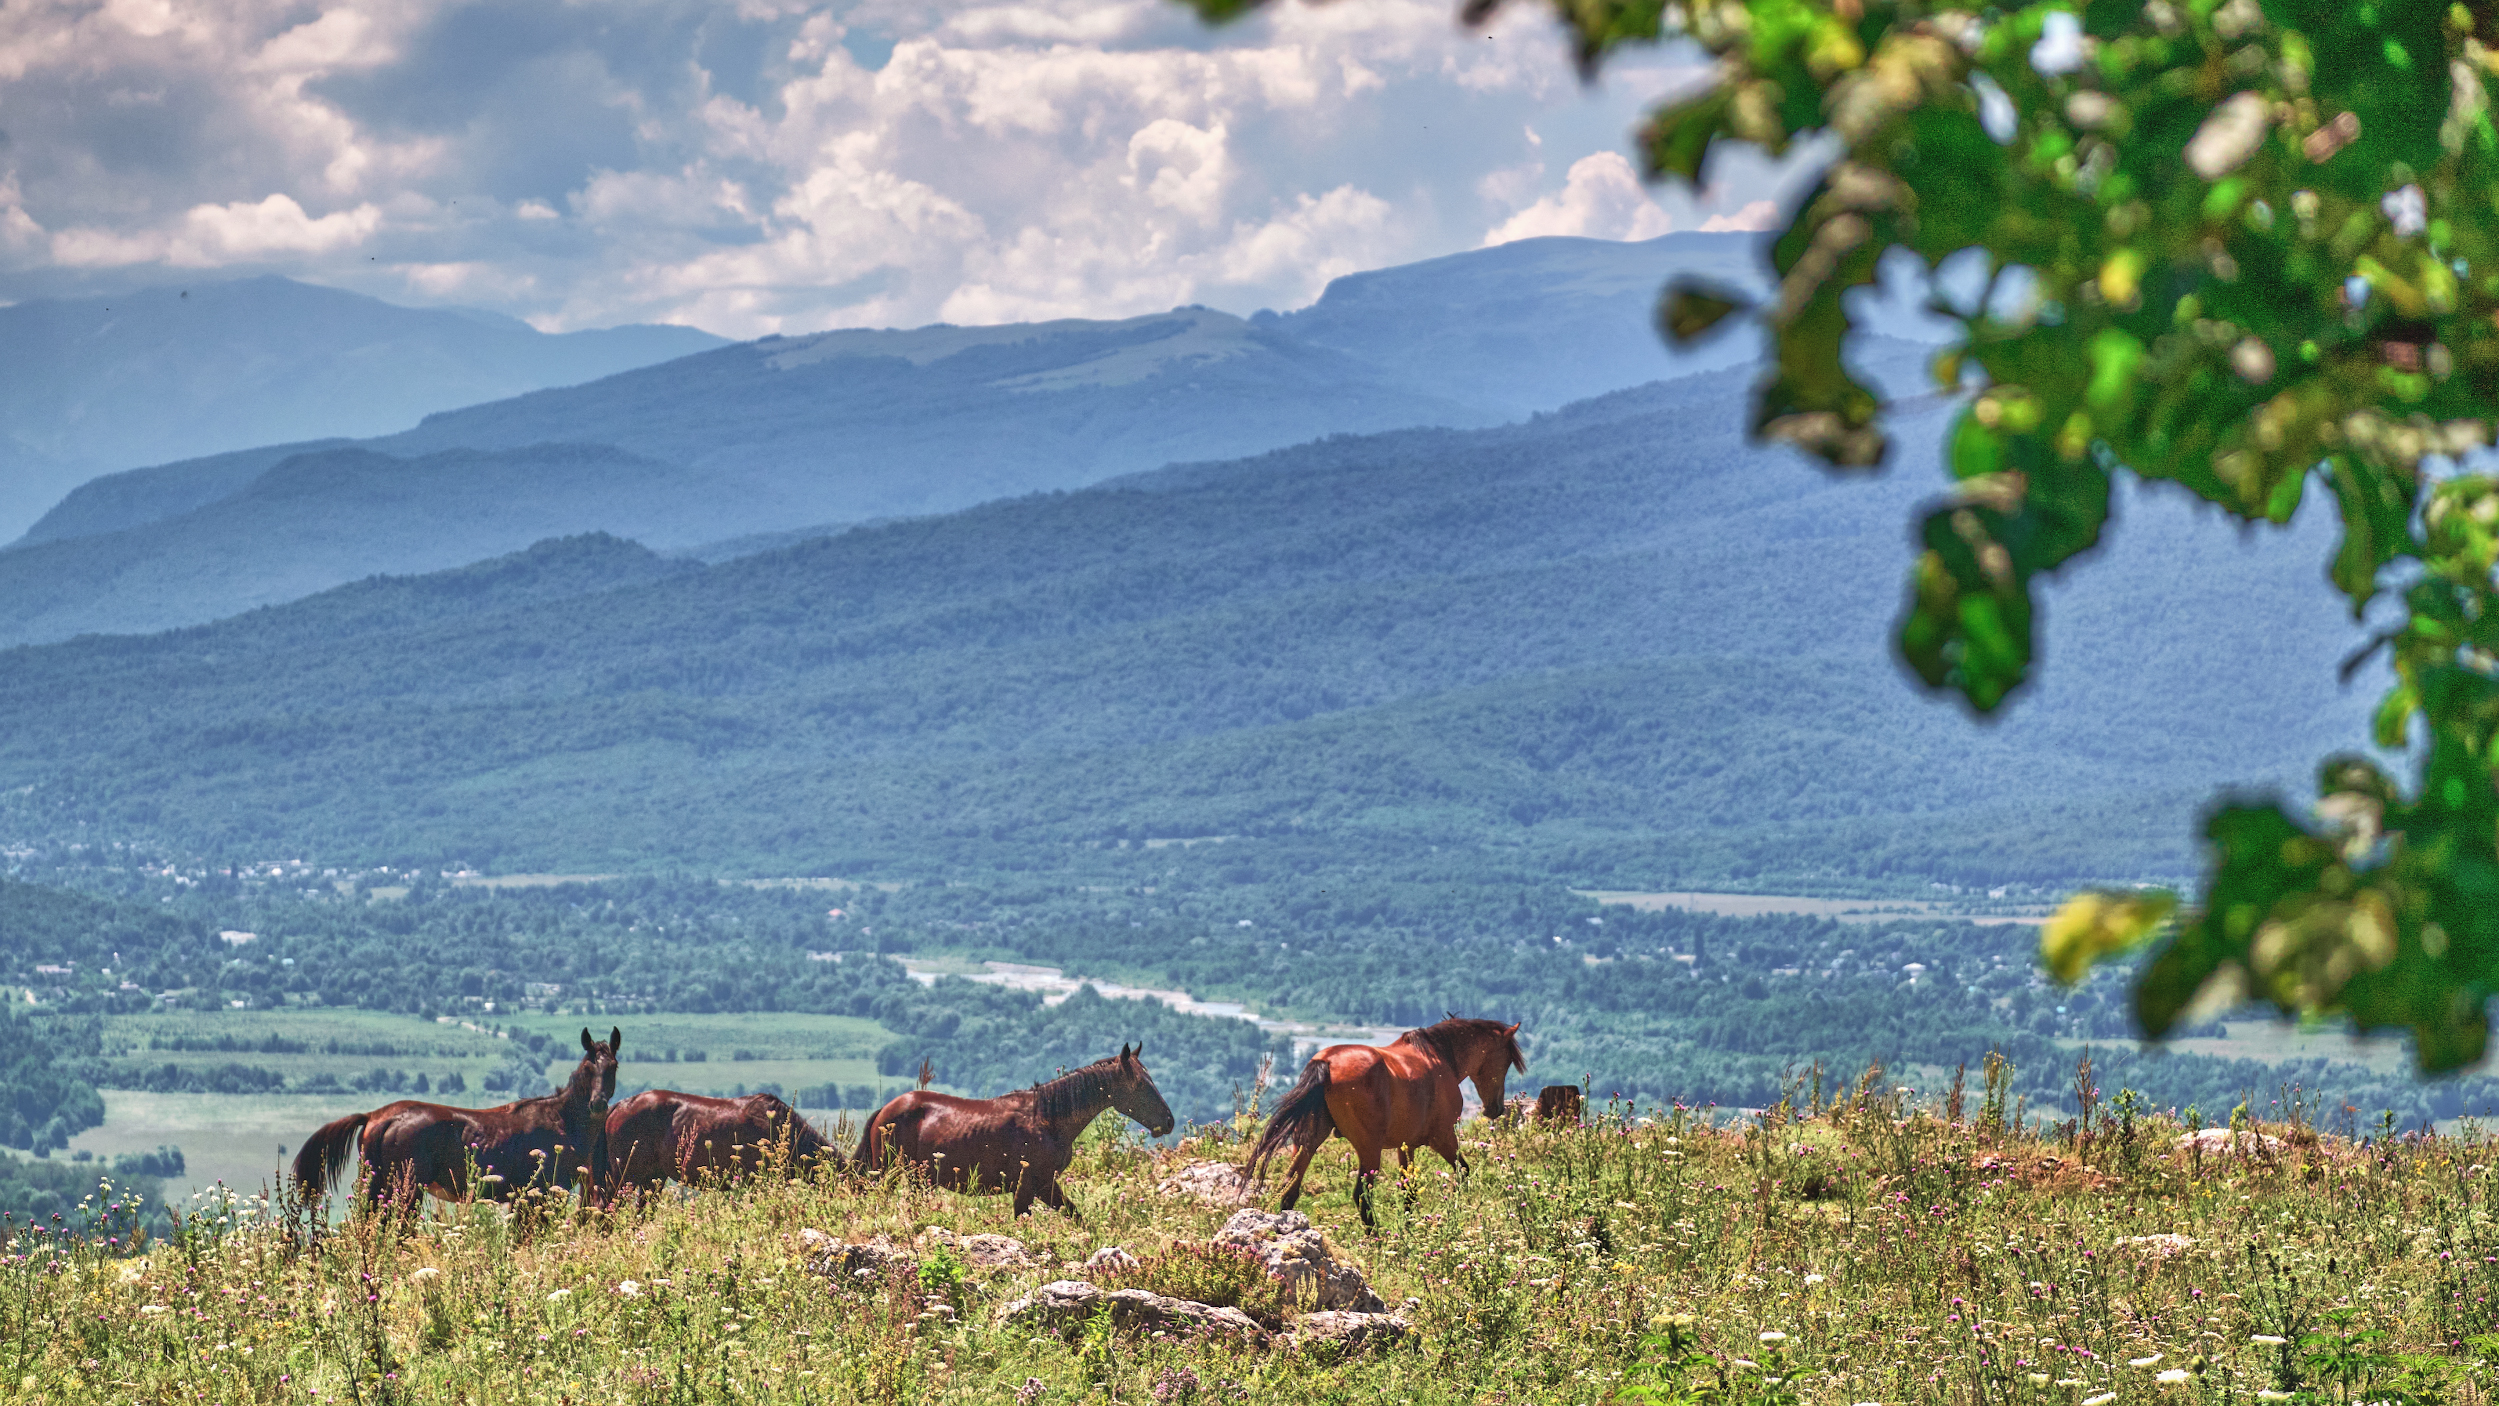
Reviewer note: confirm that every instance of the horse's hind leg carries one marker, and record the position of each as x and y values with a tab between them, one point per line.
1301	1164
1366	1180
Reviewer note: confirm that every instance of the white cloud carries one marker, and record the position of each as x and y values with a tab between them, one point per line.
1602	199
791	165
1757	215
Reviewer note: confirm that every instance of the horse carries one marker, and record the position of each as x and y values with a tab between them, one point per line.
660	1133
1404	1095
408	1147
1017	1142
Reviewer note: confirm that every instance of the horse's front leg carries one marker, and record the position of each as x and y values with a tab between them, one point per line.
1051	1194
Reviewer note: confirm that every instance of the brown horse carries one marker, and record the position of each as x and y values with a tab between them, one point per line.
1018	1142
1404	1095
660	1133
410	1147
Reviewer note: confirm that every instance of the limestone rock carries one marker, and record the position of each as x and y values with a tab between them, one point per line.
1111	1257
863	1265
1064	1305
1349	1333
813	1241
1213	1183
2214	1140
983	1251
1296	1255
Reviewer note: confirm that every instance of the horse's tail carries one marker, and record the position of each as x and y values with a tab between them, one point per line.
324	1155
871	1143
1301	1120
806	1144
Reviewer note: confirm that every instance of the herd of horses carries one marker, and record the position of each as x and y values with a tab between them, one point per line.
1403	1095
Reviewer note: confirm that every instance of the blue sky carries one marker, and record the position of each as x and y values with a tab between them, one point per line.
786	166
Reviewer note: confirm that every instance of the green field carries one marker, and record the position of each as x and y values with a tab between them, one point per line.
233	1138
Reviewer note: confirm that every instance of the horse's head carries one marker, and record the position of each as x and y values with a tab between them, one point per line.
594	1079
1488	1059
1133	1093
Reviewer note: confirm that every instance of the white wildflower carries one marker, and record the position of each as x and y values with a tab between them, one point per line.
2151	1361
2103	1399
420	1275
1774	1336
2268	1340
152	1309
2172	1377
630	1288
1813	1279
559	1294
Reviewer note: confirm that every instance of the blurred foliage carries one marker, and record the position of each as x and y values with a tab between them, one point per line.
2246	248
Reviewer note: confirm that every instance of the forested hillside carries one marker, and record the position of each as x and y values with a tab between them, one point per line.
1615	646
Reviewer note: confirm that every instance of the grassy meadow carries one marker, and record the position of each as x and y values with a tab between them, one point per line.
1863	1252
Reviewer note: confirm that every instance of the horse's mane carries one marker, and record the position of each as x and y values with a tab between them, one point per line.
1447	1037
1056	1098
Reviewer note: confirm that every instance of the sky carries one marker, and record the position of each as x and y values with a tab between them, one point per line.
761	166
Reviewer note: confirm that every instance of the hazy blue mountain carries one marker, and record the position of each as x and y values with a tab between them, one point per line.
757	441
93	385
1612	644
1532	325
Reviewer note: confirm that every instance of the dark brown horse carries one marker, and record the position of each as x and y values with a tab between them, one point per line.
409	1147
659	1134
1018	1142
1404	1095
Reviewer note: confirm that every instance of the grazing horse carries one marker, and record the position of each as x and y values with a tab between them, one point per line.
1017	1142
660	1133
410	1147
1404	1095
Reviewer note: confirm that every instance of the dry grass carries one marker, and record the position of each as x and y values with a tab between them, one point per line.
1897	1257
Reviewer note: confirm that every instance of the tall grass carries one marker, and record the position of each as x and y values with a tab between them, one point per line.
1855	1252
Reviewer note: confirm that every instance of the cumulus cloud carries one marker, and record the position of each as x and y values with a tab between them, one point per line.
1603	199
790	165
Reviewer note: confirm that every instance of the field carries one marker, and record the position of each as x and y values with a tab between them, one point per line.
233	1138
1859	1253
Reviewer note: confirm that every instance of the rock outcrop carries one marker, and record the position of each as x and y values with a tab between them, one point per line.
1296	1255
1066	1304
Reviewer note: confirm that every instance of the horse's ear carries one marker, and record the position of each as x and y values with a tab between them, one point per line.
1126	1054
1453	1015
615	1038
587	1044
1514	1025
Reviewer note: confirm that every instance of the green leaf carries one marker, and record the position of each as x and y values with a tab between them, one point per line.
1677	139
1693	308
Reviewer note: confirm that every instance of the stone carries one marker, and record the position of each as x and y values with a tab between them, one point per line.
1348	1333
864	1265
1212	1183
1066	1304
2224	1140
813	1241
983	1251
1111	1257
1296	1255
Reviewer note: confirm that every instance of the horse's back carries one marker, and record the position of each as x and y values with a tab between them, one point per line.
1401	1093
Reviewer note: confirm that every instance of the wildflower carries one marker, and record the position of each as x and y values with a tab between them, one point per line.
630	1288
423	1274
2172	1377
1774	1336
2151	1361
2103	1399
1031	1391
154	1308
2268	1340
1813	1279
1746	1364
559	1295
